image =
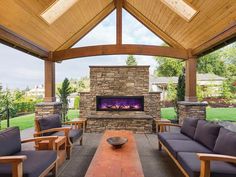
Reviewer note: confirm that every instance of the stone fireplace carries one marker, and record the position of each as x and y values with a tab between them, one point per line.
119	98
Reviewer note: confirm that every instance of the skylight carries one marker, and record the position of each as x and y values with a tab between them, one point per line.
57	9
182	8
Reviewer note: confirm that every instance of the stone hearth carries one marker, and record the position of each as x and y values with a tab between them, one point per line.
119	81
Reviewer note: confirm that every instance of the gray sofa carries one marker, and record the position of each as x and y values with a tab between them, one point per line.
16	162
201	148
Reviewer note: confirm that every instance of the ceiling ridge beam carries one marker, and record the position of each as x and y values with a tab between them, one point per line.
114	49
206	47
87	27
119	5
151	26
14	40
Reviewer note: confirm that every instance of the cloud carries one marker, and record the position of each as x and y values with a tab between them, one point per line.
18	70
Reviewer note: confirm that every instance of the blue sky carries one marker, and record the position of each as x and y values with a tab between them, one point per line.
19	70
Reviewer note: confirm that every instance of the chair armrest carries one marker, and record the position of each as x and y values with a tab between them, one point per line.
42	138
163	125
216	157
74	124
205	160
65	129
12	159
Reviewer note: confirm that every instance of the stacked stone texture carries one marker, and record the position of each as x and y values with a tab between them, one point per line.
47	108
119	81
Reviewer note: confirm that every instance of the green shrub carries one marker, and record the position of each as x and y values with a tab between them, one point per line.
76	102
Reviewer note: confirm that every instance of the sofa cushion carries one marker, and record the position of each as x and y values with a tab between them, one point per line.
191	164
171	136
10	142
34	165
207	133
189	126
226	142
48	122
74	134
175	146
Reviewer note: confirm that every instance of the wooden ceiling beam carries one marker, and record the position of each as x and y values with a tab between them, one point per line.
16	41
127	49
218	40
118	4
88	27
151	26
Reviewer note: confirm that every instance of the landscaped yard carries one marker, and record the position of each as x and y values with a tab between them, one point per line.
27	121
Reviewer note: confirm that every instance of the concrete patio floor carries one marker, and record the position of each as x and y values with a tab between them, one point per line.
154	162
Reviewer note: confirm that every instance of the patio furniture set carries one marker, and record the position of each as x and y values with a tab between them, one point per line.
199	149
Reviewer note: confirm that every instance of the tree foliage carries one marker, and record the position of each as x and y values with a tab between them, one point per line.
63	92
131	61
168	67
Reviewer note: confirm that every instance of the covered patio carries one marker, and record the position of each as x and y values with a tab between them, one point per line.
49	29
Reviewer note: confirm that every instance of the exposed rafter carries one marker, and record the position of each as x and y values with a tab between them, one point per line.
119	49
119	5
227	34
88	27
14	40
151	26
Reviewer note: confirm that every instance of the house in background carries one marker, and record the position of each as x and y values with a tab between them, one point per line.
208	81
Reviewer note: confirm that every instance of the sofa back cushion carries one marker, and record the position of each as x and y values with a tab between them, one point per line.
48	122
189	126
226	142
10	142
206	133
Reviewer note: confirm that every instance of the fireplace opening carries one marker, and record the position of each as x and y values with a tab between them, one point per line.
120	103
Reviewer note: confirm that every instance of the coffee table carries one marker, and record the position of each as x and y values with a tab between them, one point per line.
110	162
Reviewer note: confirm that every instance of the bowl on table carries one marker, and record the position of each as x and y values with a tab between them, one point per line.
116	141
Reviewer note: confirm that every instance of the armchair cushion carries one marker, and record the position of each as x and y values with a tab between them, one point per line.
74	134
207	133
34	165
10	142
190	162
189	126
226	142
48	122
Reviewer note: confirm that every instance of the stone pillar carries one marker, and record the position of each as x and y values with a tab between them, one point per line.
47	108
152	104
191	110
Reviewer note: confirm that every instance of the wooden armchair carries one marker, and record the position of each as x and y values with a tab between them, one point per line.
52	126
18	163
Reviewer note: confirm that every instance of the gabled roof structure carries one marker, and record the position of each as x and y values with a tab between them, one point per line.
22	26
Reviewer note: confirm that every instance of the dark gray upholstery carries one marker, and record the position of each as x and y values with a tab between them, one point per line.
189	126
163	136
34	165
48	122
74	134
226	142
175	146
191	164
206	133
10	142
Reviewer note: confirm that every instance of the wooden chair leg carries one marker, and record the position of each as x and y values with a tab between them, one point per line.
17	170
68	151
81	141
54	170
159	146
205	169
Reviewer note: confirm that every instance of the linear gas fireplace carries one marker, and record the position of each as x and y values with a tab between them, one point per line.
120	103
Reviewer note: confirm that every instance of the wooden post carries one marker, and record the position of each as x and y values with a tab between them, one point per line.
118	4
49	81
190	79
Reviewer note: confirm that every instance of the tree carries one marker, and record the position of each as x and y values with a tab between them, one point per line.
168	67
63	92
131	61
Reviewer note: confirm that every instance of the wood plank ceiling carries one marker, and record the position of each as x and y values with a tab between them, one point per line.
215	18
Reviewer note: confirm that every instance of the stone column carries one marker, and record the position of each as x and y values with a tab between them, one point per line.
191	110
47	108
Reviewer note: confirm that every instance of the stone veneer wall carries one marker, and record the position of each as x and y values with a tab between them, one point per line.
119	81
191	110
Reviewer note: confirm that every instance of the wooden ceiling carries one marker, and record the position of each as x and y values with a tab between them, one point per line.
213	25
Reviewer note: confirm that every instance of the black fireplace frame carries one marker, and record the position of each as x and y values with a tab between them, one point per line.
98	101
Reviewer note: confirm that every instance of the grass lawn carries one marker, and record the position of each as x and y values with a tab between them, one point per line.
27	121
212	113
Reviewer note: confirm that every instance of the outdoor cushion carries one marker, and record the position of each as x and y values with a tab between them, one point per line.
48	122
175	146
34	165
10	142
74	134
207	133
189	126
226	142
191	164
163	136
